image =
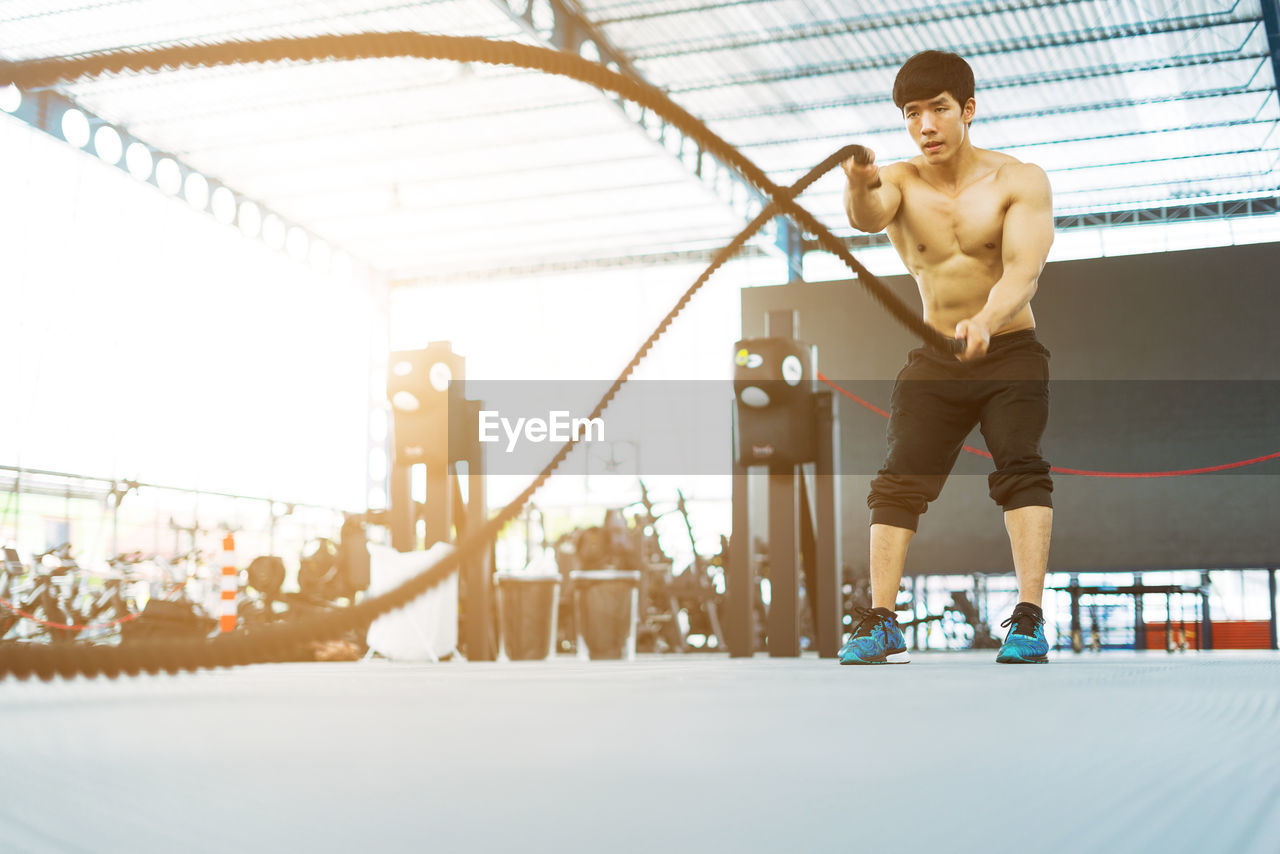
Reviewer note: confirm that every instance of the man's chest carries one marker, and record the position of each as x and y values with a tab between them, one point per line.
971	220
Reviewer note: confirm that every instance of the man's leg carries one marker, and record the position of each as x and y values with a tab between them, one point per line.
1013	422
930	415
888	557
921	453
1029	527
1029	530
929	418
876	638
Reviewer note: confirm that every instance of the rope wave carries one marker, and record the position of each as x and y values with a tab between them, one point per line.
268	643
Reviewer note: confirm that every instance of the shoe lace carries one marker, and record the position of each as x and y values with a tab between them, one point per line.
867	620
1024	622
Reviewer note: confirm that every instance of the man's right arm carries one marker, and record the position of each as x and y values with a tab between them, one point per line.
870	210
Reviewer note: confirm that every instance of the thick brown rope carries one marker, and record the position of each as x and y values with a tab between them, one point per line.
271	642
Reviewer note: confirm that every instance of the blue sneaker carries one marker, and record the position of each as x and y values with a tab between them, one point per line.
1025	643
876	639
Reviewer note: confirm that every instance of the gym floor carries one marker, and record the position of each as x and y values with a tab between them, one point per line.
1119	752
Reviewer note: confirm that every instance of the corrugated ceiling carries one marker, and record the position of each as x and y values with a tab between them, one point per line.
427	168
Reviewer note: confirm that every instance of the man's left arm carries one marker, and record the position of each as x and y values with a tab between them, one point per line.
1028	234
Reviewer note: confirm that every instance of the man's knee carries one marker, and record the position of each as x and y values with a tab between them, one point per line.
900	500
1029	497
1027	485
898	517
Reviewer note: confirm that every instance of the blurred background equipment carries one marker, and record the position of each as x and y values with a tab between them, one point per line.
331	575
437	482
266	574
605	608
528	606
677	609
319	573
781	422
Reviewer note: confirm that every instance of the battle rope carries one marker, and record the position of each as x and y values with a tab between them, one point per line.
1238	464
269	642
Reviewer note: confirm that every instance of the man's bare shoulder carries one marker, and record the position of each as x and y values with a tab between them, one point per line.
998	158
1021	178
898	172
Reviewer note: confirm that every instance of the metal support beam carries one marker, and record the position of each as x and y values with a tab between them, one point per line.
1271	23
740	581
577	265
1077	635
562	24
791	243
1271	588
1187	98
784	580
1042	76
994	47
33	481
378	457
1206	619
481	635
828	576
851	22
66	120
1224	209
401	518
1139	621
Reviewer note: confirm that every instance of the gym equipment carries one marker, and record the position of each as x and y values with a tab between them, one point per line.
1174	639
318	571
266	574
103	612
773	387
435	427
787	431
424	387
163	620
694	589
329	570
46	605
672	606
353	553
983	637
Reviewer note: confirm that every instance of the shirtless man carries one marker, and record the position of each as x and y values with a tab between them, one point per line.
974	228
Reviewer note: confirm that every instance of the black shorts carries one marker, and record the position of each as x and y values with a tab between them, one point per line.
936	402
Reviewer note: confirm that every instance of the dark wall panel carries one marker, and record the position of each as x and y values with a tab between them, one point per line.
1160	362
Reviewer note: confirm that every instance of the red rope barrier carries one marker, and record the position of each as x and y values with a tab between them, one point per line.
50	624
1080	472
74	626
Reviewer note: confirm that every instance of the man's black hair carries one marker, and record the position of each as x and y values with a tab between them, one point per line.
928	74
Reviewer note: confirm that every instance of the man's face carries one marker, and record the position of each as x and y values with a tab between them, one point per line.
938	126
